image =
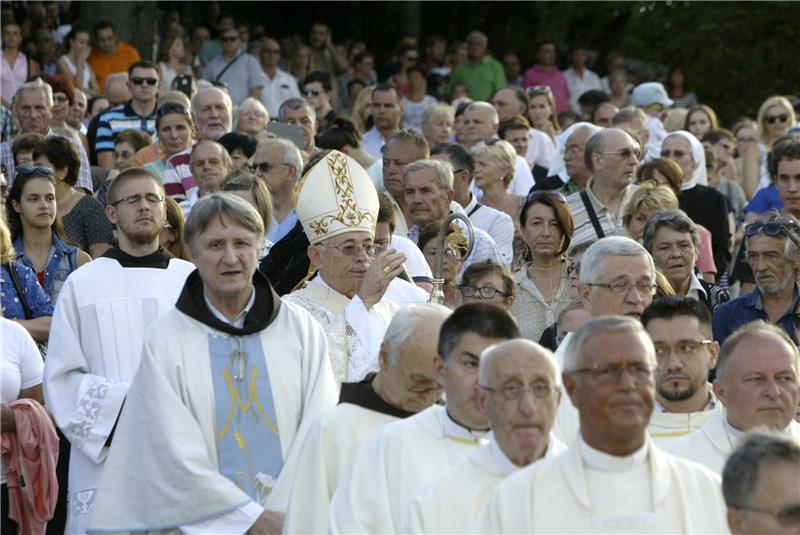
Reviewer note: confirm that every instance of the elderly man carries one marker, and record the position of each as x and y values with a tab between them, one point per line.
634	120
481	122
573	175
612	478
98	330
278	163
546	72
228	345
236	68
209	163
212	111
773	253
757	383
680	328
403	386
519	395
513	101
481	73
759	483
300	113
429	194
407	456
387	112
32	106
356	292
652	98
612	156
279	85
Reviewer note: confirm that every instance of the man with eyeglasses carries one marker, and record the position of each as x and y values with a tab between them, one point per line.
403	386
758	384
97	332
519	394
680	328
109	54
572	175
613	478
318	91
406	457
139	112
759	483
278	163
236	68
279	85
652	98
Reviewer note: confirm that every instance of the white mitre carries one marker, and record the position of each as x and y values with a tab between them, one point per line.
336	196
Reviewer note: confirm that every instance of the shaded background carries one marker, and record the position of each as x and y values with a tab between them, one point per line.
735	53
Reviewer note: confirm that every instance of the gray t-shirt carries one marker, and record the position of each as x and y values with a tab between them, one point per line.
244	75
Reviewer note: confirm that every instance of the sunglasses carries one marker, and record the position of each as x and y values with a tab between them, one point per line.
780	227
229	39
139	81
170	108
312	92
28	170
538	89
670	153
772	119
625	153
553	195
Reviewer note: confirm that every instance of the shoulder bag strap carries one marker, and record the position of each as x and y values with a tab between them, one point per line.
592	215
228	66
12	271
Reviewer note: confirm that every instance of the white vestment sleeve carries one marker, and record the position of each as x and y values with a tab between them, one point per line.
237	521
311	489
367	325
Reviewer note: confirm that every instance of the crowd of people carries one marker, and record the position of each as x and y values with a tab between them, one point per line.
217	268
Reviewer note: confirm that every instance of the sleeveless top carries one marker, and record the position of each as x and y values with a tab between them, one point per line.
73	69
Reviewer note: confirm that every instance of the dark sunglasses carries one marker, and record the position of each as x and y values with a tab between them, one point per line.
780	227
538	195
170	107
28	170
139	81
772	119
312	92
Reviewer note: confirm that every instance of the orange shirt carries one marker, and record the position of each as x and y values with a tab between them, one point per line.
119	61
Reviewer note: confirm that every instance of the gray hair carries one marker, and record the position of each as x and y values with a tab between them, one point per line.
436	111
296	103
202	91
792	240
597	144
674	219
746	331
217	204
405	324
592	128
627	114
226	158
573	357
113	78
37	84
593	264
290	152
443	170
515	345
248	104
741	472
485	107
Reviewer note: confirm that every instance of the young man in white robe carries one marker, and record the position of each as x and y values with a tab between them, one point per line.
612	478
352	293
405	457
519	395
231	379
680	328
98	330
757	384
404	386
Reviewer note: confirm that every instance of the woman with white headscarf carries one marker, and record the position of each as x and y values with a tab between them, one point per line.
706	206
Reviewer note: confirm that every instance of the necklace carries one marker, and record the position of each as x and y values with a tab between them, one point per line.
238	362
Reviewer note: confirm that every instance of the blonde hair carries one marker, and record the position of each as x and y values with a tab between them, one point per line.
676	118
649	196
776	100
7	253
501	153
363	100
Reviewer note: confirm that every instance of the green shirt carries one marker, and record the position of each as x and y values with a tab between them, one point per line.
482	79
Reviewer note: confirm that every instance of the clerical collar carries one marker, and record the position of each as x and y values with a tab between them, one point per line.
453	429
363	394
159	259
501	460
238	321
710	406
599	460
266	305
734	435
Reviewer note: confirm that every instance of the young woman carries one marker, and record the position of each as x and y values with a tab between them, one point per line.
700	120
775	117
176	134
15	66
172	61
542	110
74	64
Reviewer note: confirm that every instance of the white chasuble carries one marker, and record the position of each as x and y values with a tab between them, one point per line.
169	424
94	349
452	504
392	468
654	492
666	428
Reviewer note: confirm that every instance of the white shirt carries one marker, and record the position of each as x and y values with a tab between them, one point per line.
541	149
496	224
578	85
373	143
277	90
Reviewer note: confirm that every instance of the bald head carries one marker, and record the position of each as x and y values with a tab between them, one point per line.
502	357
480	122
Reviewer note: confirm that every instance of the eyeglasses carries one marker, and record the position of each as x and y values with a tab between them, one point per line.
312	92
229	39
486	292
682	349
132	200
656	106
139	81
553	195
514	391
28	170
678	154
611	373
780	227
355	250
624	287
572	149
266	167
625	153
170	107
538	90
787	515
745	140
772	119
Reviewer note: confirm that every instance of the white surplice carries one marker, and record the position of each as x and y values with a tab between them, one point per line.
163	469
94	350
326	457
394	467
667	427
452	504
715	441
587	491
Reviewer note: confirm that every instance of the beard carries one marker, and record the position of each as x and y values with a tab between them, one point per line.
773	287
679	395
140	234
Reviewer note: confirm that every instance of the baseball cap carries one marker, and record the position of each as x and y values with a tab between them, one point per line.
651	93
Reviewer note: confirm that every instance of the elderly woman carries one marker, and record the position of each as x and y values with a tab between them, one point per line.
544	286
437	124
251	117
706	206
488	281
454	255
671	239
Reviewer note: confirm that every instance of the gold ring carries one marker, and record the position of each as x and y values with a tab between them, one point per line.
387	270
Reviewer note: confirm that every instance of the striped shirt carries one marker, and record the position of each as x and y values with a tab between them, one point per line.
115	120
610	222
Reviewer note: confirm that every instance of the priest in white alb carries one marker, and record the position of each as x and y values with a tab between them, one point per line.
757	384
355	291
680	328
407	456
519	394
612	479
404	386
231	379
98	329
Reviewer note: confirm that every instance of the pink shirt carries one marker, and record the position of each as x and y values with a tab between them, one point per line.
705	257
558	84
12	77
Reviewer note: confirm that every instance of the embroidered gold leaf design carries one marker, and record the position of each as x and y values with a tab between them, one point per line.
240	441
349	215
